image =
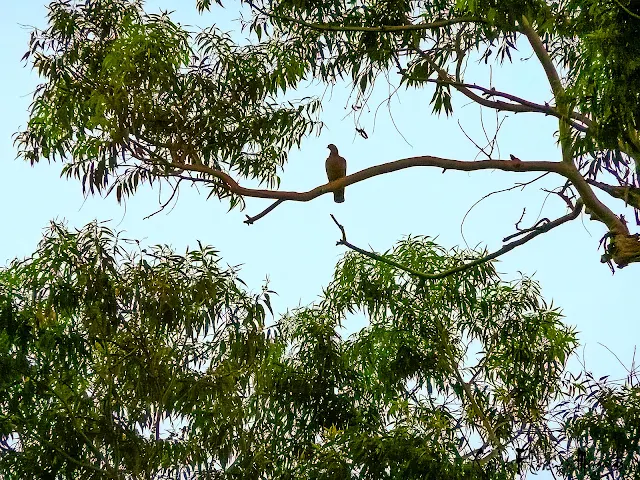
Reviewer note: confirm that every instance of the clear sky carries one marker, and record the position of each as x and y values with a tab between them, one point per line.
295	244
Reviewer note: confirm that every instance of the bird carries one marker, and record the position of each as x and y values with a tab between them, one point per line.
336	167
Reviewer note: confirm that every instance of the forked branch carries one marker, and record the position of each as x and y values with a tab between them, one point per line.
540	229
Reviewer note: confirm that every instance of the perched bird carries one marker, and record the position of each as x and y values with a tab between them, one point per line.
514	158
336	167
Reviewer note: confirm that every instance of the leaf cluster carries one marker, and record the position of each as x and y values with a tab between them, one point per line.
128	97
126	94
602	429
105	355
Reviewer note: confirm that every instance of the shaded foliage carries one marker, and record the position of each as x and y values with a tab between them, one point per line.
602	429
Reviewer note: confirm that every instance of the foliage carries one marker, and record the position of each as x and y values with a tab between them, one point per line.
115	74
602	425
153	364
125	84
101	350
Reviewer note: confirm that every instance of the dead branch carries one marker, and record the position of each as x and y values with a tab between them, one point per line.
519	105
541	228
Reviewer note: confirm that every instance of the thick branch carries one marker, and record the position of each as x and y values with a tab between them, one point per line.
600	211
422	161
461	268
593	203
630	195
545	59
556	87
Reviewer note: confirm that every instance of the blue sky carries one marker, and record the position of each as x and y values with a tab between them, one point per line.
295	245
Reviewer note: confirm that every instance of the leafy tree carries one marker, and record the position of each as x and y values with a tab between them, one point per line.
130	97
100	348
157	365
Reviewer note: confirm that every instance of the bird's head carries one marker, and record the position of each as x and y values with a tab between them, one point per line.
332	148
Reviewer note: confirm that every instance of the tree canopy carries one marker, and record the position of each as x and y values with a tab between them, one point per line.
121	361
130	97
153	364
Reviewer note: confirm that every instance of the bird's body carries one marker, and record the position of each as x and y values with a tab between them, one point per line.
336	167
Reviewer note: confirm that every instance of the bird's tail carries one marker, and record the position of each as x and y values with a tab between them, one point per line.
338	196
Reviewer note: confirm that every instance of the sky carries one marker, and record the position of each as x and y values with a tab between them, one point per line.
295	245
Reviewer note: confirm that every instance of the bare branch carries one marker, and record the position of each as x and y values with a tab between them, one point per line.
624	249
539	229
424	161
421	161
250	220
520	106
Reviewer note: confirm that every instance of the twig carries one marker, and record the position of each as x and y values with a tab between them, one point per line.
437	276
513	187
250	220
539	223
488	155
524	210
164	205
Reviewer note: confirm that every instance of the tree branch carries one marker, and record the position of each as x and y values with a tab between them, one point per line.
545	59
627	11
521	105
630	195
328	27
626	247
598	209
72	459
556	87
525	105
437	276
250	220
421	161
